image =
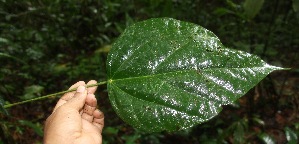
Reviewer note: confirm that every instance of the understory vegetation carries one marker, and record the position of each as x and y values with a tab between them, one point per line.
46	46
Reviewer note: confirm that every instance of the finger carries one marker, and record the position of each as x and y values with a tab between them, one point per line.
92	90
68	95
76	85
98	119
78	100
89	107
91	101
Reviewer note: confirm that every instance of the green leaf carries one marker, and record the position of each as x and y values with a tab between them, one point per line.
240	127
2	103
165	74
252	7
3	40
111	131
36	127
296	5
222	11
266	138
291	136
4	55
32	91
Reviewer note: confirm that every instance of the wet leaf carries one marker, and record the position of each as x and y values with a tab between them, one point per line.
165	74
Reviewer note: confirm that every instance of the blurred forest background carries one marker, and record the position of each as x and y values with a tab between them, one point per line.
47	45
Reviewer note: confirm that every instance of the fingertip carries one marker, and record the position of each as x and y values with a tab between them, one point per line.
92	89
77	84
68	96
78	99
92	82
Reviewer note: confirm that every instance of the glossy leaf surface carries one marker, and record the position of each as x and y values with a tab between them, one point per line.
165	74
267	139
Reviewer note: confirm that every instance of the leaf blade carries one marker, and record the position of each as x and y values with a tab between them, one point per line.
164	74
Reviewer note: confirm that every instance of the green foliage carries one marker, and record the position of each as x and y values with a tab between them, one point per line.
36	127
239	129
252	7
32	91
291	136
3	55
266	138
2	109
165	74
296	5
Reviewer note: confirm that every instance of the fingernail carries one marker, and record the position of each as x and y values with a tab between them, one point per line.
81	89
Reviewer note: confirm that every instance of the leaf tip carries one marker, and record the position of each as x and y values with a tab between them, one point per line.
276	67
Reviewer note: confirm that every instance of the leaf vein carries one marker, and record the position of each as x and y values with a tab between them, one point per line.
155	102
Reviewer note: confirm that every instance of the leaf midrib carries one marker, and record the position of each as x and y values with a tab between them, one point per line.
181	71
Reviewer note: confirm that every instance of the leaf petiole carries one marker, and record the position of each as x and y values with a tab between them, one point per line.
51	95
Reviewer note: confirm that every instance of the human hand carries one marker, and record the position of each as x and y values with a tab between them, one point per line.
75	118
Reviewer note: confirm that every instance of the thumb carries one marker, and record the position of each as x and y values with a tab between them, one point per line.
78	101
